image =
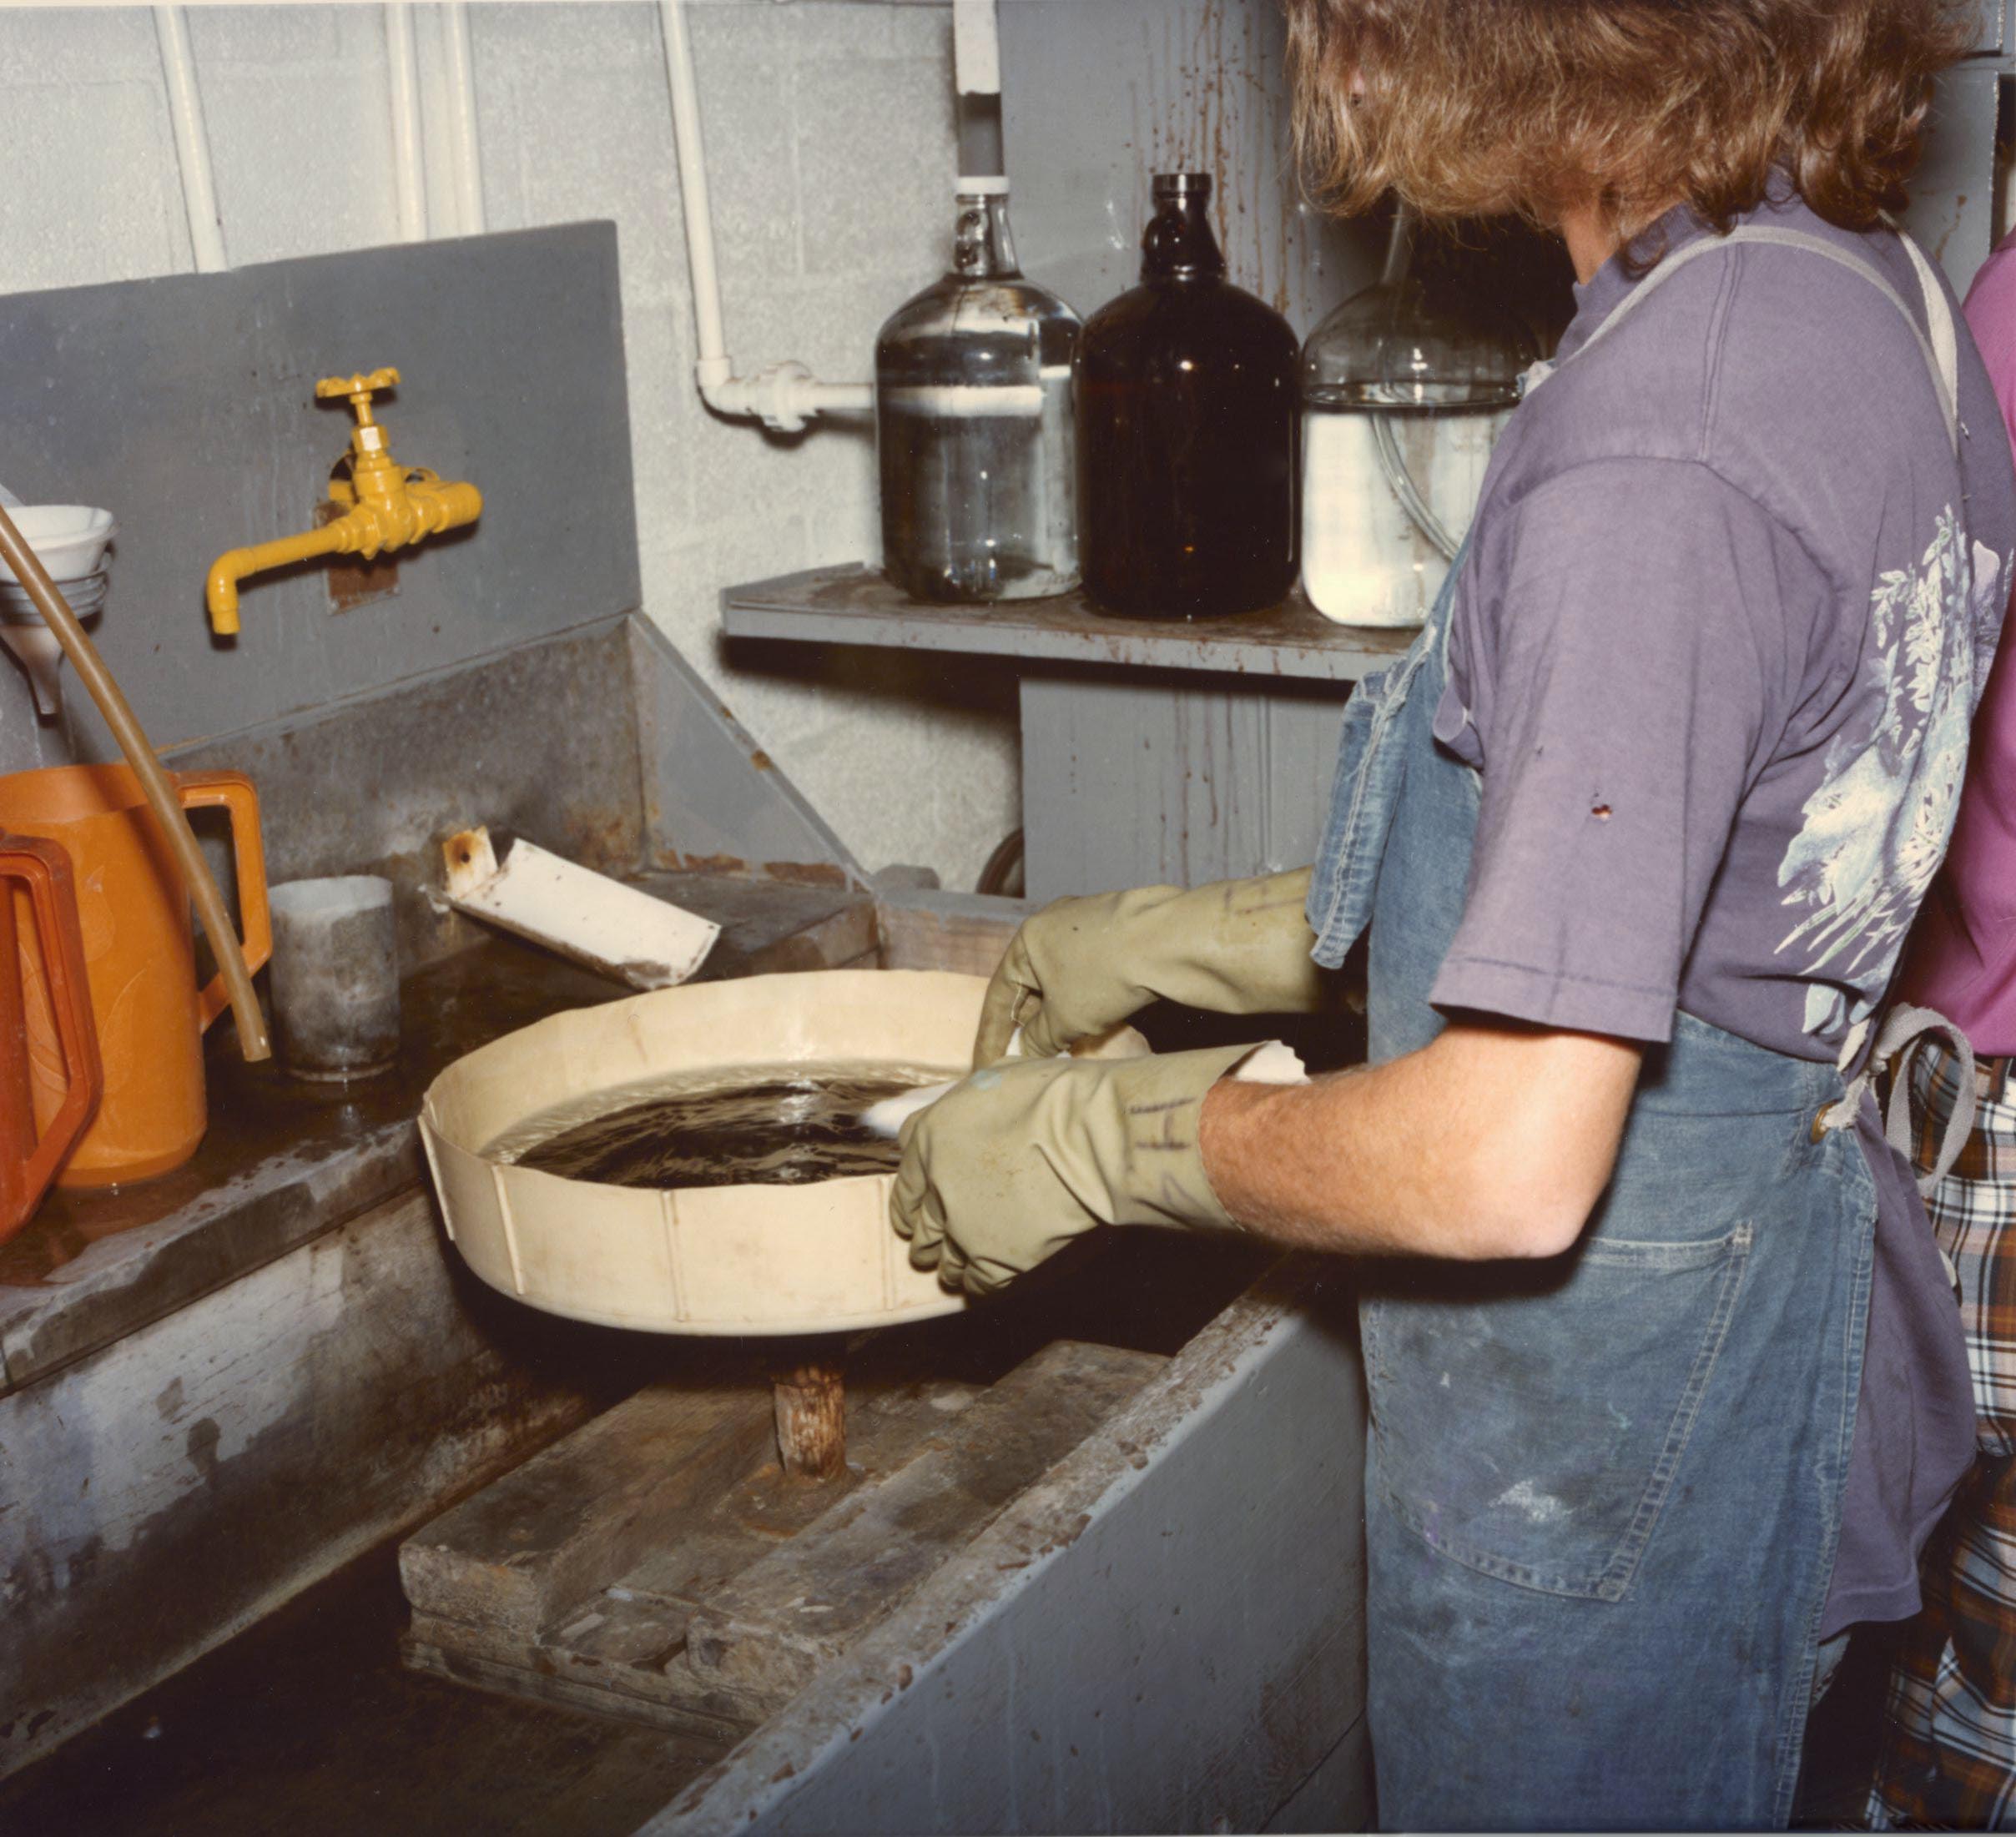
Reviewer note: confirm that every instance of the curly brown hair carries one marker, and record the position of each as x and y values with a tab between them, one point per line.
1479	107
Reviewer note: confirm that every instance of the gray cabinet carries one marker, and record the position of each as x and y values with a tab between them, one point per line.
1152	750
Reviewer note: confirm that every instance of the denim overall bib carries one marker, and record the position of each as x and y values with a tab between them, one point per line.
1602	1492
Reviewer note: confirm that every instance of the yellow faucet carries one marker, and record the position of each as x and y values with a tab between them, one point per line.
386	506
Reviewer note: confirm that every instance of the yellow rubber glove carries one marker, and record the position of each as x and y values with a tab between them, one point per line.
1007	1168
1080	966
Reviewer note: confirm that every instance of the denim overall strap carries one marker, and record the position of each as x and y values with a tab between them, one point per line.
1365	791
1939	348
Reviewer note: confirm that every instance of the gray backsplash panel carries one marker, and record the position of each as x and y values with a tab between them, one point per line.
541	742
714	800
186	407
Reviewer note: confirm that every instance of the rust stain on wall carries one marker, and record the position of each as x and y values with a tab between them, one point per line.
1202	107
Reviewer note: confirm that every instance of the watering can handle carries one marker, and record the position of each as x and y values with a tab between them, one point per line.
44	869
232	792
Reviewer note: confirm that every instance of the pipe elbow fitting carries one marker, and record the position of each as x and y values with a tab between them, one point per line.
220	593
461	503
437	507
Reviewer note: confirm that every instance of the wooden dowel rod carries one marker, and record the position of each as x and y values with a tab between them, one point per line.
811	1401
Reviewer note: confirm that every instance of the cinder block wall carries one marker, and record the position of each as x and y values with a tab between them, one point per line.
830	148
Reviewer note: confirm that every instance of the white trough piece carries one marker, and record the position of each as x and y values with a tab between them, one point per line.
647	942
711	1260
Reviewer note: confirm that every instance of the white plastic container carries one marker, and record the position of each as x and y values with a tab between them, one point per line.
68	539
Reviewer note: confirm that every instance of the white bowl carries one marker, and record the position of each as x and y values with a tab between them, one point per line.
68	539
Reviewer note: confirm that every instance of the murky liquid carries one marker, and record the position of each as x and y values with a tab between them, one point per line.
781	1125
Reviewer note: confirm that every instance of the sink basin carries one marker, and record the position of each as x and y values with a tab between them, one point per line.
715	1260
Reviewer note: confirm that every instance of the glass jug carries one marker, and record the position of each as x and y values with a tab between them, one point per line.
1405	388
1187	427
973	423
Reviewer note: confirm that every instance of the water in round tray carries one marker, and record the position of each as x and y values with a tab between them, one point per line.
751	1125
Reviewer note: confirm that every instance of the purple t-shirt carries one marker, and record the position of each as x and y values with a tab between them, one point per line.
1715	654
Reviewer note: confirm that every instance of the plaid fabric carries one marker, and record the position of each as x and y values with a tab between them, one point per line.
1948	1757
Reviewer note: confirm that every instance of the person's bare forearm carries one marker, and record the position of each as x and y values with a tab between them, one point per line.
1489	1142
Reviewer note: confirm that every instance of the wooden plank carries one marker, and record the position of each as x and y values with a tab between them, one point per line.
582	1512
621	1648
449	1649
1165	1633
926	928
854	605
889	1424
631	1641
765	1633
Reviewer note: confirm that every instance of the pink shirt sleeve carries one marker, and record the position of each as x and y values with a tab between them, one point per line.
1991	317
1962	956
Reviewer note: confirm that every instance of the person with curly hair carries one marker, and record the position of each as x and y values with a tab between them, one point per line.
1667	1384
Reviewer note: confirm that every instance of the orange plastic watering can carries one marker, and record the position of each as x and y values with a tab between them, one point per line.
132	910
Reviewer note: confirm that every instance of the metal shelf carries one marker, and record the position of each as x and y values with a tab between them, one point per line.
854	605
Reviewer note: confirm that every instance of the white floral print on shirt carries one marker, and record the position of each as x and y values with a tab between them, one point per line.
1877	827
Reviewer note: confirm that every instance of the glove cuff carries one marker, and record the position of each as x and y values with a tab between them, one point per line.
1160	1101
1236	947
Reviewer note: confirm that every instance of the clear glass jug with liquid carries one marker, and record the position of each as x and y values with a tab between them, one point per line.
973	423
1405	388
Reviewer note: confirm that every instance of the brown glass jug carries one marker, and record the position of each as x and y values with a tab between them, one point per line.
1188	413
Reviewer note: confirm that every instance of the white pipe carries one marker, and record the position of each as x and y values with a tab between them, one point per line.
713	367
408	175
192	143
465	146
977	48
784	396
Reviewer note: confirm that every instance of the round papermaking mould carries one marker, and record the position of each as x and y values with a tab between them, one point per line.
336	976
755	1260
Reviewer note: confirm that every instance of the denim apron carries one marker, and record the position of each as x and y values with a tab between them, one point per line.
1602	1492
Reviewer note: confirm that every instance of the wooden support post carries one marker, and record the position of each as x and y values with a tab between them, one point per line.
811	1401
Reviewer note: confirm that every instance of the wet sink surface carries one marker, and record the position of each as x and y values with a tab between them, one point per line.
284	1159
260	1116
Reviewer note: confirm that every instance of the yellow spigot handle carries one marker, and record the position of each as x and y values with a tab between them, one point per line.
359	389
